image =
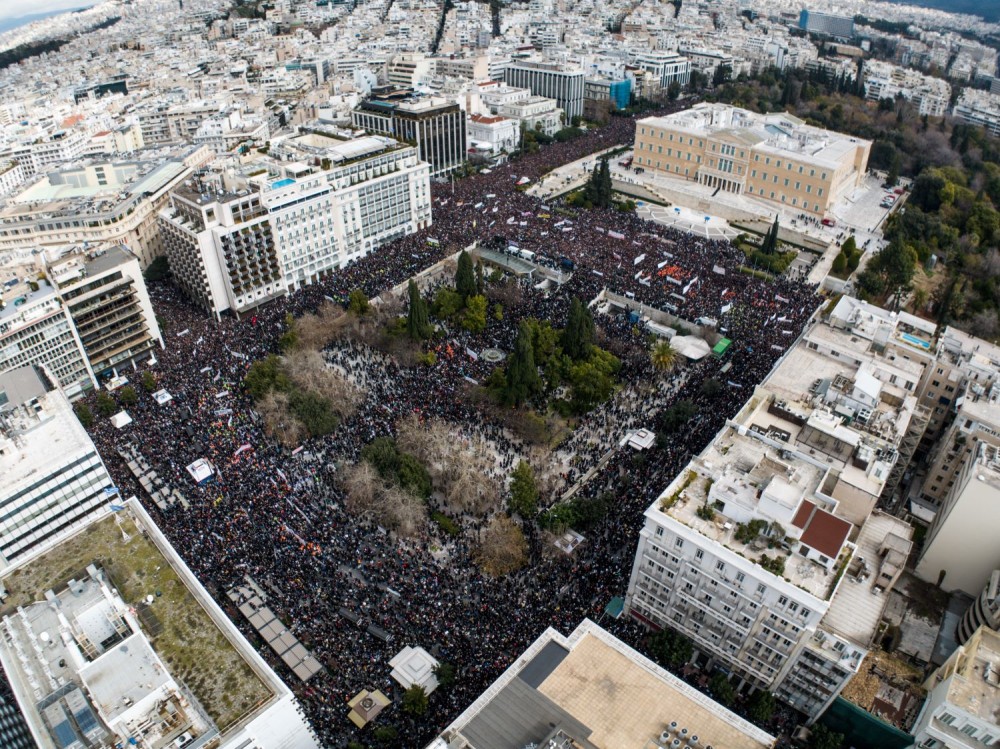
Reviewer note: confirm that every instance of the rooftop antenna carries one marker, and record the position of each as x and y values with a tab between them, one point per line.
118	521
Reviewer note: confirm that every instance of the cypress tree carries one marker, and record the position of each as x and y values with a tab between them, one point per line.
578	336
417	326
465	277
604	189
522	374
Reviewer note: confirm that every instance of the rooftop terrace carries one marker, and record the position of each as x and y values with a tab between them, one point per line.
197	653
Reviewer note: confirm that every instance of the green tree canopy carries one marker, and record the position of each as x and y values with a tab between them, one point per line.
670	649
663	356
465	276
523	491
417	326
358	302
578	335
474	317
522	381
415	700
760	706
84	414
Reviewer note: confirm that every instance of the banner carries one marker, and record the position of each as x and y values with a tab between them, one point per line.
719	269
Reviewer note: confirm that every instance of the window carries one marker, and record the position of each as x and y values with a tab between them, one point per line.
761	589
804	613
947	718
678	542
699	554
783	600
720	566
659	530
970	730
740	577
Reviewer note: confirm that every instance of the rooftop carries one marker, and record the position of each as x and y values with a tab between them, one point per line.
594	692
38	430
182	633
778	132
976	686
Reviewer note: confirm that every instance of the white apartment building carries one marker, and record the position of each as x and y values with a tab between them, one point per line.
963	697
666	67
99	202
54	479
765	550
930	95
409	70
961	549
91	664
60	147
560	82
979	108
39	331
281	224
11	177
536	113
225	132
175	124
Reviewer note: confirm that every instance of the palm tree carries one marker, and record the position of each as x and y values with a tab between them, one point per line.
663	356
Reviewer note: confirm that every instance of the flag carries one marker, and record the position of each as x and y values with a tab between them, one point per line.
109	490
116	508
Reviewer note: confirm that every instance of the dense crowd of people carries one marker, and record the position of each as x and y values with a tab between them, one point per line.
279	516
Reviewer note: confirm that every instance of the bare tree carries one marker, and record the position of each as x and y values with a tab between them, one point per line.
310	371
361	484
278	419
315	331
502	549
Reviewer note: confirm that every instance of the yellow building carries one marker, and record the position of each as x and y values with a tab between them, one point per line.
771	157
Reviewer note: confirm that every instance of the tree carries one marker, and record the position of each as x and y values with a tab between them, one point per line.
721	689
891	270
663	356
605	191
290	337
770	242
592	380
157	270
697	81
760	707
106	404
447	303
480	280
358	302
446	674
670	649
522	381
821	737
415	700
84	414
578	335
673	91
523	491
128	396
417	326
148	381
502	548
839	263
850	246
474	317
465	276
723	74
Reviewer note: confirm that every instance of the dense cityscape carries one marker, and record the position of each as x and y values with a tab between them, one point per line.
495	375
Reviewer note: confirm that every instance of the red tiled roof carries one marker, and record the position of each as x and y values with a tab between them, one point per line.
485	119
825	533
802	516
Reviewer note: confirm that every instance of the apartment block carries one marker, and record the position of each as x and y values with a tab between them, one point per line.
235	241
99	202
493	134
434	124
106	297
765	550
591	690
54	479
56	149
930	95
97	663
979	108
36	329
963	697
559	82
666	67
775	157
961	552
532	112
826	24
174	124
